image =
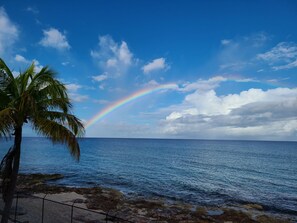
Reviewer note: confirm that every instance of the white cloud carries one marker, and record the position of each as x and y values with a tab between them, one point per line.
282	51
38	66
78	97
32	9
156	64
238	54
55	39
65	63
100	78
8	32
252	114
20	58
124	54
203	85
282	56
151	83
112	57
225	41
73	92
73	87
286	66
239	65
101	101
15	73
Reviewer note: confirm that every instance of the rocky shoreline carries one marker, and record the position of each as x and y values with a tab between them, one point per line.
138	209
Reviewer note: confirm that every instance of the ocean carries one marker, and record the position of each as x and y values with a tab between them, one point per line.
203	172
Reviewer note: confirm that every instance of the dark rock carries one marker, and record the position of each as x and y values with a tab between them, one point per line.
215	212
254	206
143	210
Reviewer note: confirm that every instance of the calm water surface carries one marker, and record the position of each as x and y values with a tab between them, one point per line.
195	171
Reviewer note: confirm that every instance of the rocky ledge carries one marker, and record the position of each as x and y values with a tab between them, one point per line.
140	210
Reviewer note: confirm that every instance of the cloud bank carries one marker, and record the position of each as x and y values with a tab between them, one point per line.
251	114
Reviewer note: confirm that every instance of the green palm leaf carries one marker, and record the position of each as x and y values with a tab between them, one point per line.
41	99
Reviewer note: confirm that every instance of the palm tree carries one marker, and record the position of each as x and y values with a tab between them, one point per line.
40	99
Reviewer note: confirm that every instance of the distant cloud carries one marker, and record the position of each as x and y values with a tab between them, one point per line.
32	9
203	85
235	66
65	63
73	87
55	39
282	56
156	64
251	114
20	58
38	66
73	93
9	32
286	66
151	83
101	101
238	54
282	51
78	97
100	78
113	58
225	41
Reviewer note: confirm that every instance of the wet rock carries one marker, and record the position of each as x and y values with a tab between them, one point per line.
253	206
215	212
270	219
150	204
145	210
142	211
234	216
200	211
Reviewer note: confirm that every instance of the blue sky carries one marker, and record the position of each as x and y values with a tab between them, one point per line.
233	63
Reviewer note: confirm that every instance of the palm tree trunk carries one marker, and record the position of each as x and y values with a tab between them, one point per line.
13	177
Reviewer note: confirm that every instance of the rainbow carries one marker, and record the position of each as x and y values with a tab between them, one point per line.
121	102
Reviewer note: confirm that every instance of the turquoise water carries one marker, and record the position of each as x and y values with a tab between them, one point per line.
196	171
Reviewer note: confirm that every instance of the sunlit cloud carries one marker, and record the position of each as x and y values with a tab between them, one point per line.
53	38
114	59
156	64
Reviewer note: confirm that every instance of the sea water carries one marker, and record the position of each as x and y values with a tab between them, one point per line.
204	172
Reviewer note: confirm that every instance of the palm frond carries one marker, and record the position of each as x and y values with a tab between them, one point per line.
58	134
50	90
69	120
4	99
5	68
7	80
25	78
6	122
59	104
41	99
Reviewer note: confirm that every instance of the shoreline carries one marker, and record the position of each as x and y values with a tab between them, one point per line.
144	209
